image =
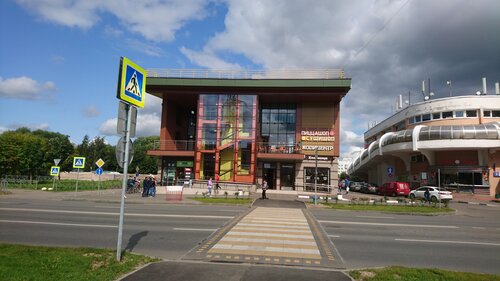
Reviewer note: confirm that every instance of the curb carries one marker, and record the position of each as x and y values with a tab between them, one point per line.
477	203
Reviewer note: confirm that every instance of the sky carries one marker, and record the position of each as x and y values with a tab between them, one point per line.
59	58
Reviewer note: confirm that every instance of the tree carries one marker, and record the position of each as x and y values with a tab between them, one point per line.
57	146
147	164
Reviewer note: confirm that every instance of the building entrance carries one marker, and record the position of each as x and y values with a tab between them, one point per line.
269	173
287	176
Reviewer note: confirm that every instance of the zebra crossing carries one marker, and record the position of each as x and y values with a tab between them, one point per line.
286	236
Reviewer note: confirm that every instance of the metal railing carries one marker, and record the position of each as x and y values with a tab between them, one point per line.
174	145
247	74
264	147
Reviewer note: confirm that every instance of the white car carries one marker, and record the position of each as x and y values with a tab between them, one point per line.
435	193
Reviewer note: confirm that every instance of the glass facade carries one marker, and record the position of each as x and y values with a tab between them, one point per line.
226	136
278	126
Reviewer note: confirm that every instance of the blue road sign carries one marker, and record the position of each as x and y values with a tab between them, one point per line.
390	172
98	171
54	170
79	162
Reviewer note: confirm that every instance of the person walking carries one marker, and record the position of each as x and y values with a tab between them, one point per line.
209	186
427	195
145	187
264	188
152	186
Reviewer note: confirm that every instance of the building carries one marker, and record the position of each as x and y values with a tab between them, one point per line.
452	142
343	164
247	126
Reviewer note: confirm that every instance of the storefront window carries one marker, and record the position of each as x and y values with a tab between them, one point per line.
323	176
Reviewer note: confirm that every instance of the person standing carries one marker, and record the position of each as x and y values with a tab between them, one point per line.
145	187
152	186
264	188
209	186
217	180
347	183
427	195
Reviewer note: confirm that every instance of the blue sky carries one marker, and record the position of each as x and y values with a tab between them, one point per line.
59	59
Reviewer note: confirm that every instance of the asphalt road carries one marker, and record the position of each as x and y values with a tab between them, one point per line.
468	240
165	231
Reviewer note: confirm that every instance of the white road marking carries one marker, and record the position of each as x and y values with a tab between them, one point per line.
195	229
116	214
374	217
390	224
449	242
58	223
478	227
334	236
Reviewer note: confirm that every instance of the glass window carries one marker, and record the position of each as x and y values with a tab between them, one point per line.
459	113
447	114
209	136
418	118
426	117
323	177
495	113
487	113
411	120
471	113
280	123
436	115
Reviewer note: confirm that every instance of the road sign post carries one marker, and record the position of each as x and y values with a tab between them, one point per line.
99	164
54	172
124	183
78	162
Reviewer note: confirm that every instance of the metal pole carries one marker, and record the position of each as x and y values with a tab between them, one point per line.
53	182
316	179
99	185
124	183
77	176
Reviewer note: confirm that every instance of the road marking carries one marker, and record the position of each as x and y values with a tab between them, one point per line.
58	223
374	217
390	224
195	229
449	242
107	207
116	214
334	236
478	227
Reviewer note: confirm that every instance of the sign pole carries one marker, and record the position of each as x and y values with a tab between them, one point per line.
77	176
124	183
53	182
316	179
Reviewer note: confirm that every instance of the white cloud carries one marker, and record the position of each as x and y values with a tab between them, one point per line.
91	111
24	88
145	48
208	59
155	20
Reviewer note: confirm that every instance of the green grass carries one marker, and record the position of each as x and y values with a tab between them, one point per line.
390	208
414	274
222	200
70	185
20	262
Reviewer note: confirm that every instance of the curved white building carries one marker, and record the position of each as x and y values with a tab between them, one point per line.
452	142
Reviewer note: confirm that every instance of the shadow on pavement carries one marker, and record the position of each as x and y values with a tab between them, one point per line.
273	203
134	240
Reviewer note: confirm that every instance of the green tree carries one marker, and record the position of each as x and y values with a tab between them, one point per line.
57	146
147	164
22	153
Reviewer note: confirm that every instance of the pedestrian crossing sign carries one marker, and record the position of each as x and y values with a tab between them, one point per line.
131	83
79	162
54	171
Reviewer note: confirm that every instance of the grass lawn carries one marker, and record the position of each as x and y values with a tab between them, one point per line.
390	208
21	262
415	274
222	200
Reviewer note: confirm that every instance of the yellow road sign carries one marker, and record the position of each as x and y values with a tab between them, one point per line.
99	163
131	83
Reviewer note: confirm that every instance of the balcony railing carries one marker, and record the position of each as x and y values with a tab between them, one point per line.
264	147
174	145
248	74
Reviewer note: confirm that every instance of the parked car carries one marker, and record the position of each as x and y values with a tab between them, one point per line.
394	188
372	188
355	186
435	193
